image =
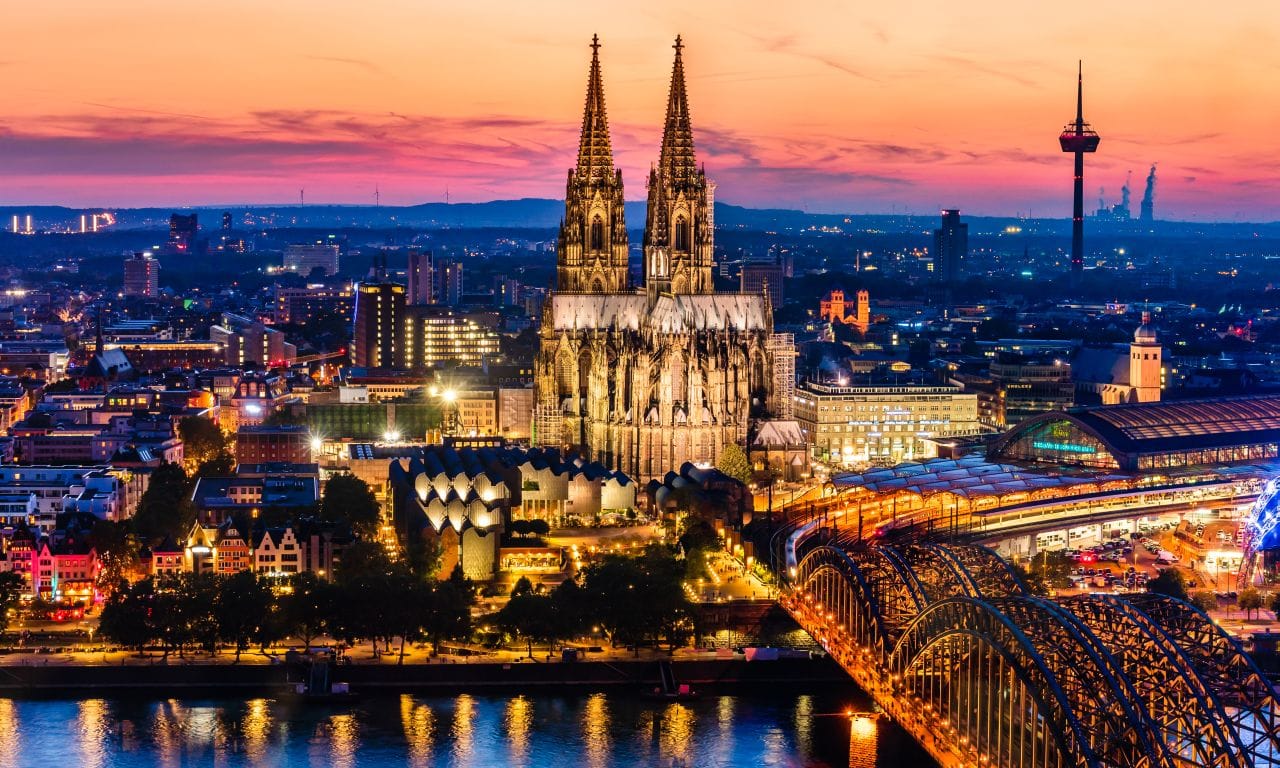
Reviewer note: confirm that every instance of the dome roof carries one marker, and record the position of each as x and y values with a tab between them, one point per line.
1145	334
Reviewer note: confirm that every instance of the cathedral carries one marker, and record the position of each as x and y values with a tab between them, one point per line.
646	377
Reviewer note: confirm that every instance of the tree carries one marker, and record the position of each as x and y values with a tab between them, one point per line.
1169	582
165	509
450	616
118	553
348	498
1249	600
125	618
308	609
202	440
219	464
733	462
244	603
11	586
639	598
1205	601
539	527
529	615
1275	604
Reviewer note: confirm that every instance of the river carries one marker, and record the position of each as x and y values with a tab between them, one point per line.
785	729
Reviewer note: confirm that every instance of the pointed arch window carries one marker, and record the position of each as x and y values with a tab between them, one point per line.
682	234
597	234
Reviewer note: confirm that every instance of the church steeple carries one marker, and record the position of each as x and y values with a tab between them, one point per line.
595	152
678	234
676	160
592	246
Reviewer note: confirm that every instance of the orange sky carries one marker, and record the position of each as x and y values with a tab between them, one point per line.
828	106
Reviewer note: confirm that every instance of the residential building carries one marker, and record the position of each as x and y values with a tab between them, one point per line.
142	276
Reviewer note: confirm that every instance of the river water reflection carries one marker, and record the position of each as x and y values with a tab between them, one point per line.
464	731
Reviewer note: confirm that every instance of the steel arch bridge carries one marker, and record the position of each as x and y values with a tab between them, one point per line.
951	644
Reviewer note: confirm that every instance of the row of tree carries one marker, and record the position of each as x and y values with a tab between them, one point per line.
632	600
376	600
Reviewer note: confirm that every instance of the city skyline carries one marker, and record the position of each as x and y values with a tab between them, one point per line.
876	112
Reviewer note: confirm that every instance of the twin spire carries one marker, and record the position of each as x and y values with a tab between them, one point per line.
595	152
676	159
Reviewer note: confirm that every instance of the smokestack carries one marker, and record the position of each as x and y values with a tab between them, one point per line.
1124	194
1149	197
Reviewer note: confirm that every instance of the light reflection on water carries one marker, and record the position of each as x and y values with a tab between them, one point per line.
464	731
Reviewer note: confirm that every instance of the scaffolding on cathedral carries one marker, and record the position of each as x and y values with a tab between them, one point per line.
782	349
547	423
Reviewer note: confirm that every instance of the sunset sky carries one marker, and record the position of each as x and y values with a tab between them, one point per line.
833	106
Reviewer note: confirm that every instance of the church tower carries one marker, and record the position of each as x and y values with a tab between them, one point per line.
679	234
1145	363
592	246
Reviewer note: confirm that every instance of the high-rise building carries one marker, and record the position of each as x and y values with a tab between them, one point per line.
421	275
950	249
226	221
646	380
449	288
141	276
755	276
377	337
183	231
304	258
506	292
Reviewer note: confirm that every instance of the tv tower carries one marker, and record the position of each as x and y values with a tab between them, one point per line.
1079	138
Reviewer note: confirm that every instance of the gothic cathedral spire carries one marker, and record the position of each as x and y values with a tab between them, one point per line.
592	245
678	233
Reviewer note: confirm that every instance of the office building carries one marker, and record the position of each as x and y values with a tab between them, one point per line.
882	423
303	305
305	258
950	248
435	336
258	444
142	276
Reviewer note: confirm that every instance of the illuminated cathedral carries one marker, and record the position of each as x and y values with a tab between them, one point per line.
646	377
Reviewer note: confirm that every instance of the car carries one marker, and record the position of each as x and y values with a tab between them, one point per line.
1160	561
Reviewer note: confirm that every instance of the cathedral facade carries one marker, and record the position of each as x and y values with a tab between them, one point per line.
646	377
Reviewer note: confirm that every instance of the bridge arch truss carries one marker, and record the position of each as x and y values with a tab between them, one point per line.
949	641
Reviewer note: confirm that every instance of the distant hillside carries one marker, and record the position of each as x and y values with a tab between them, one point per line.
539	213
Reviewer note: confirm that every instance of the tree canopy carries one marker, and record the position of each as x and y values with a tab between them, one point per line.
165	508
348	498
202	440
733	462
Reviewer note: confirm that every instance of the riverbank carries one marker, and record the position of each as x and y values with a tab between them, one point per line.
202	679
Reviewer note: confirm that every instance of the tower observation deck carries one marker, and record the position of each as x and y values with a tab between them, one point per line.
1078	137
